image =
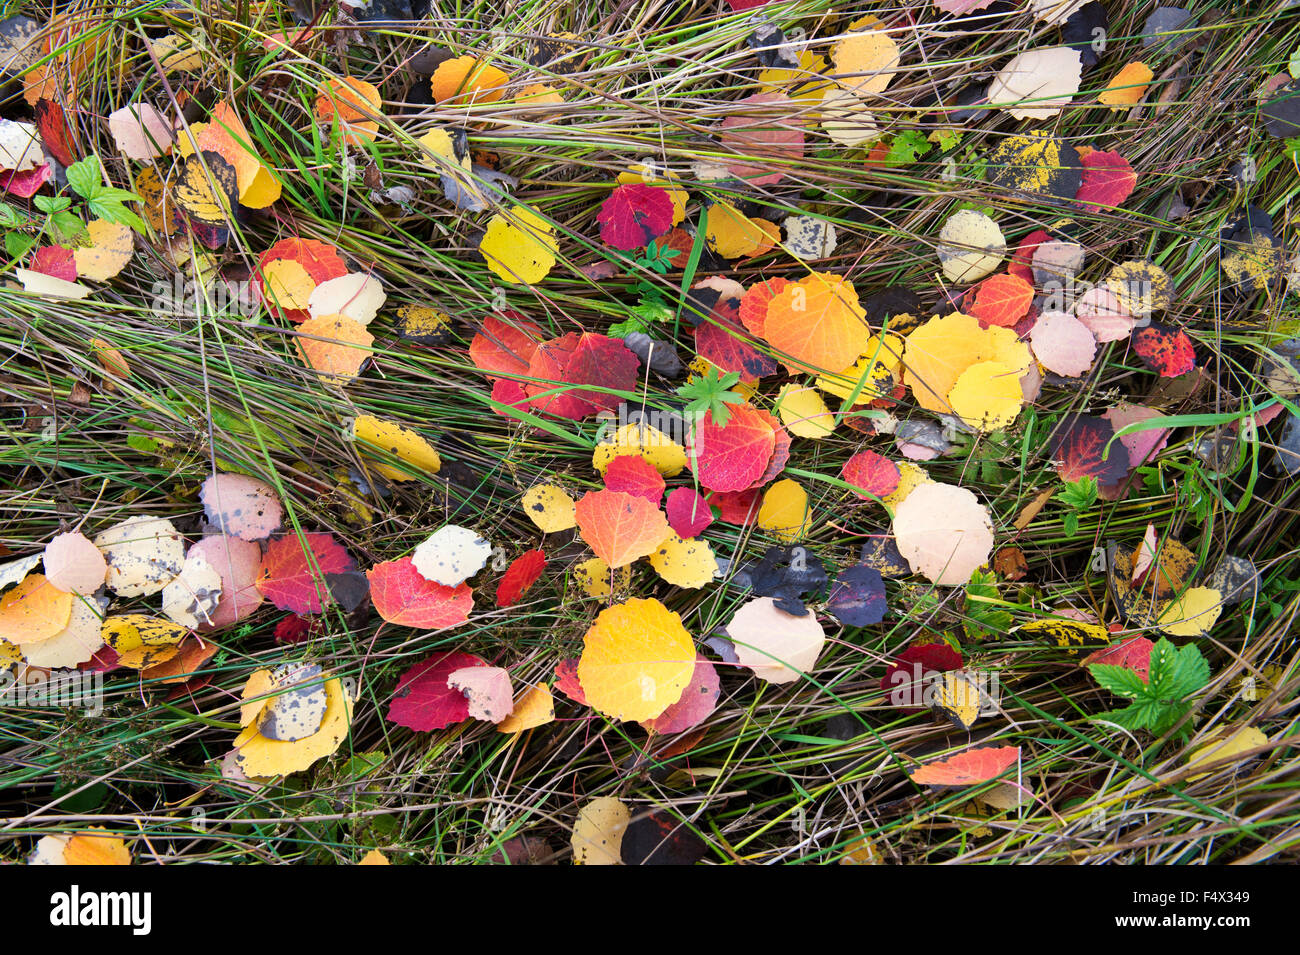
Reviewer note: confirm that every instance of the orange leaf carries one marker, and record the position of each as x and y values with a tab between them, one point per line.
1002	300
37	610
637	659
969	768
620	527
818	323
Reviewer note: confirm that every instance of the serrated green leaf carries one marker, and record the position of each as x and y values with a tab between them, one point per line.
1120	680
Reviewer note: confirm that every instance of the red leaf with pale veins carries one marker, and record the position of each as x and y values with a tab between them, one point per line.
720	342
510	393
505	344
1002	300
633	474
871	472
55	260
603	361
423	701
780	449
1108	180
567	682
1134	654
634	215
1079	444
26	184
906	677
1166	351
401	595
732	457
520	575
549	365
293	571
619	527
974	766
689	515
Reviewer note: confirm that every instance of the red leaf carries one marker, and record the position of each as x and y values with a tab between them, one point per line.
294	629
423	701
689	514
720	343
1108	180
509	393
733	456
505	344
289	571
520	575
55	136
873	473
736	507
634	215
780	449
549	366
1002	300
567	682
26	184
1165	350
401	595
633	474
603	361
969	768
1079	444
1134	654
55	260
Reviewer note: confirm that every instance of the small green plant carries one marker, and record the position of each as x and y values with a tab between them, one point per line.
62	224
1077	496
711	392
982	616
1161	700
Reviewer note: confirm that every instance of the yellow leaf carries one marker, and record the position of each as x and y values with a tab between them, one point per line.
656	448
111	247
804	413
374	857
1128	87
1193	614
536	707
598	832
987	395
593	577
684	563
86	849
910	477
34	610
1225	746
519	246
384	439
784	512
637	659
141	640
259	756
550	508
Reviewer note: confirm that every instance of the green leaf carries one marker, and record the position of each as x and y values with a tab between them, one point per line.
51	204
17	244
907	147
85	176
1119	680
1177	673
709	393
10	218
111	210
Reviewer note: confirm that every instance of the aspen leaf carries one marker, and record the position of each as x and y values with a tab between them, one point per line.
620	527
1127	87
111	247
969	768
34	610
804	413
818	323
636	476
1037	83
385	441
971	246
735	455
241	506
779	647
423	701
74	564
143	555
684	563
598	832
259	756
451	555
466	81
84	848
1226	745
1193	614
357	296
866	62
488	691
944	532
1063	344
766	127
987	395
140	132
550	508
239	563
697	703
192	596
637	659
784	513
76	643
403	596
335	347
639	438
522	573
295	571
140	640
519	246
688	513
